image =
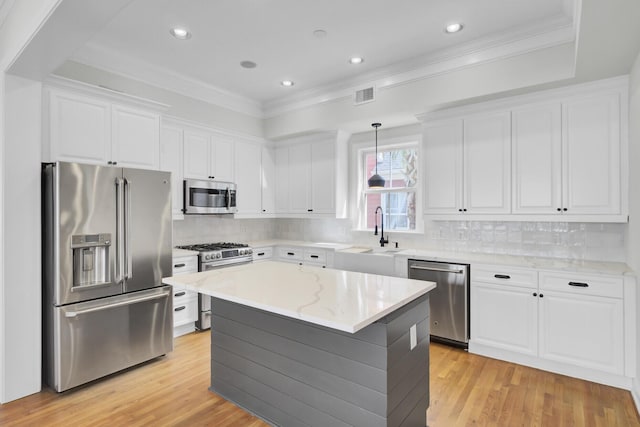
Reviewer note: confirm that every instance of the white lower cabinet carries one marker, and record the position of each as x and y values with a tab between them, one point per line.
185	303
571	323
304	256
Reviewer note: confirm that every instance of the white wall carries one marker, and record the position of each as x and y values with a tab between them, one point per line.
19	355
633	237
22	278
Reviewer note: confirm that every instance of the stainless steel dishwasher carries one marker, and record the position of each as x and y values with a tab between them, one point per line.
449	301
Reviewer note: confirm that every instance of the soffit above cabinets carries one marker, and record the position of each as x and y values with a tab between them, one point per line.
399	41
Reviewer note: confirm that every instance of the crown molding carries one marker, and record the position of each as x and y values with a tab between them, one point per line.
186	123
136	69
488	49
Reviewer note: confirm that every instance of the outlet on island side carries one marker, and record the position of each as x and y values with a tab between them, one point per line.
413	337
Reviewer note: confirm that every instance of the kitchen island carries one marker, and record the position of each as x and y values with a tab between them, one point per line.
300	345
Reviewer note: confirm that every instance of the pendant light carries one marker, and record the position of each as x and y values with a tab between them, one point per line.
376	181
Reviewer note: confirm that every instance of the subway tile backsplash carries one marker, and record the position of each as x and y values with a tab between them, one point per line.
579	241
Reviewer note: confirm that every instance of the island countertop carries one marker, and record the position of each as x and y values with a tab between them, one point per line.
342	300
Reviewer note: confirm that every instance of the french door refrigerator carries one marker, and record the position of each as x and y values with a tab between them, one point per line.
107	243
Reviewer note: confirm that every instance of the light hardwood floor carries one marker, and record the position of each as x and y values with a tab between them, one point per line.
465	390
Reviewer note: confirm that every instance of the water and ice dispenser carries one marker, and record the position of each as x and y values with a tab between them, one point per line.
91	259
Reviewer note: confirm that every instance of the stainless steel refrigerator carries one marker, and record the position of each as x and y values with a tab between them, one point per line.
107	243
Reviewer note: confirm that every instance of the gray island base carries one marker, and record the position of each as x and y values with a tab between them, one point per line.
294	373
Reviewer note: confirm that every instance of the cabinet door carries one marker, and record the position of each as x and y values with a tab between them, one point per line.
487	163
136	137
171	161
582	330
80	128
282	179
300	178
591	136
323	177
196	154
504	317
537	160
222	159
247	167
443	168
268	181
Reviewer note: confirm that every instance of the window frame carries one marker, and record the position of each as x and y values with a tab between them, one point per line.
361	189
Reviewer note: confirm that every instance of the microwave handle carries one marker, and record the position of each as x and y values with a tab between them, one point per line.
228	198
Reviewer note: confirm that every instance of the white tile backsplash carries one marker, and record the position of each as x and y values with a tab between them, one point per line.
580	241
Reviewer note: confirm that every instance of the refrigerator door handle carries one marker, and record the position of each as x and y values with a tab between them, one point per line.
128	274
119	240
113	305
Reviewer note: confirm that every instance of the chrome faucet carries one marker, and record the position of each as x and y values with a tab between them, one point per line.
375	231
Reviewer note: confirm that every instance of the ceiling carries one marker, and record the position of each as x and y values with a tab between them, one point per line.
278	35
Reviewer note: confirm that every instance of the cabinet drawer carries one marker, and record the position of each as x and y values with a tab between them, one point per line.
185	265
504	275
290	254
185	312
262	254
315	256
584	284
182	296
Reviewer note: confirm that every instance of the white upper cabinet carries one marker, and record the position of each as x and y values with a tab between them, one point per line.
208	155
248	158
268	180
467	165
443	167
135	135
487	163
79	128
306	177
323	177
537	159
592	173
300	178
88	129
196	154
171	147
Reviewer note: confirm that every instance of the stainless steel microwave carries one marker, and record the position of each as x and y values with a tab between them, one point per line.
202	197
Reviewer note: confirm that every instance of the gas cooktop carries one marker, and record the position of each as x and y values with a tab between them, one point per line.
206	247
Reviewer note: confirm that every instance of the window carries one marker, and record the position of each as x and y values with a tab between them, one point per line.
399	168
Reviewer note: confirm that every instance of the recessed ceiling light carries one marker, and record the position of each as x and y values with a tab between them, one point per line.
453	28
320	33
248	64
180	33
286	83
356	60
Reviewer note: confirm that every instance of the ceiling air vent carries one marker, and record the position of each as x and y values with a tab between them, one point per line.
365	95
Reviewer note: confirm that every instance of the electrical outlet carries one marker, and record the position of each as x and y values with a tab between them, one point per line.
413	337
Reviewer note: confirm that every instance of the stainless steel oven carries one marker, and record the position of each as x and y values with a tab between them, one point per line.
212	256
202	197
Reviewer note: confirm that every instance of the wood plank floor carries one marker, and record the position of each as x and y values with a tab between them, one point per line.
465	390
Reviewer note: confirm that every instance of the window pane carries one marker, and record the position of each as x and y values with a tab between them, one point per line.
397	167
399	210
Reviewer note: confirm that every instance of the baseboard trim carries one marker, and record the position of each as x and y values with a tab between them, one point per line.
635	394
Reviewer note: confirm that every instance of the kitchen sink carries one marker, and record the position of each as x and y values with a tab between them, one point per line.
376	260
381	250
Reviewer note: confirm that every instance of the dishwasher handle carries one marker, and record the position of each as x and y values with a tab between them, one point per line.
440	270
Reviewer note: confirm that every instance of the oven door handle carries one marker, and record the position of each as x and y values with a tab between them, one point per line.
439	270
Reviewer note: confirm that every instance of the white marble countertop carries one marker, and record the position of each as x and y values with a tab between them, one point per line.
540	263
342	300
276	242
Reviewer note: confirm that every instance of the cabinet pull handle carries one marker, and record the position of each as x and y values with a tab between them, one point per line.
541	295
314	256
260	254
559	210
290	253
179	294
180	265
182	307
309	210
535	294
501	276
579	284
565	209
